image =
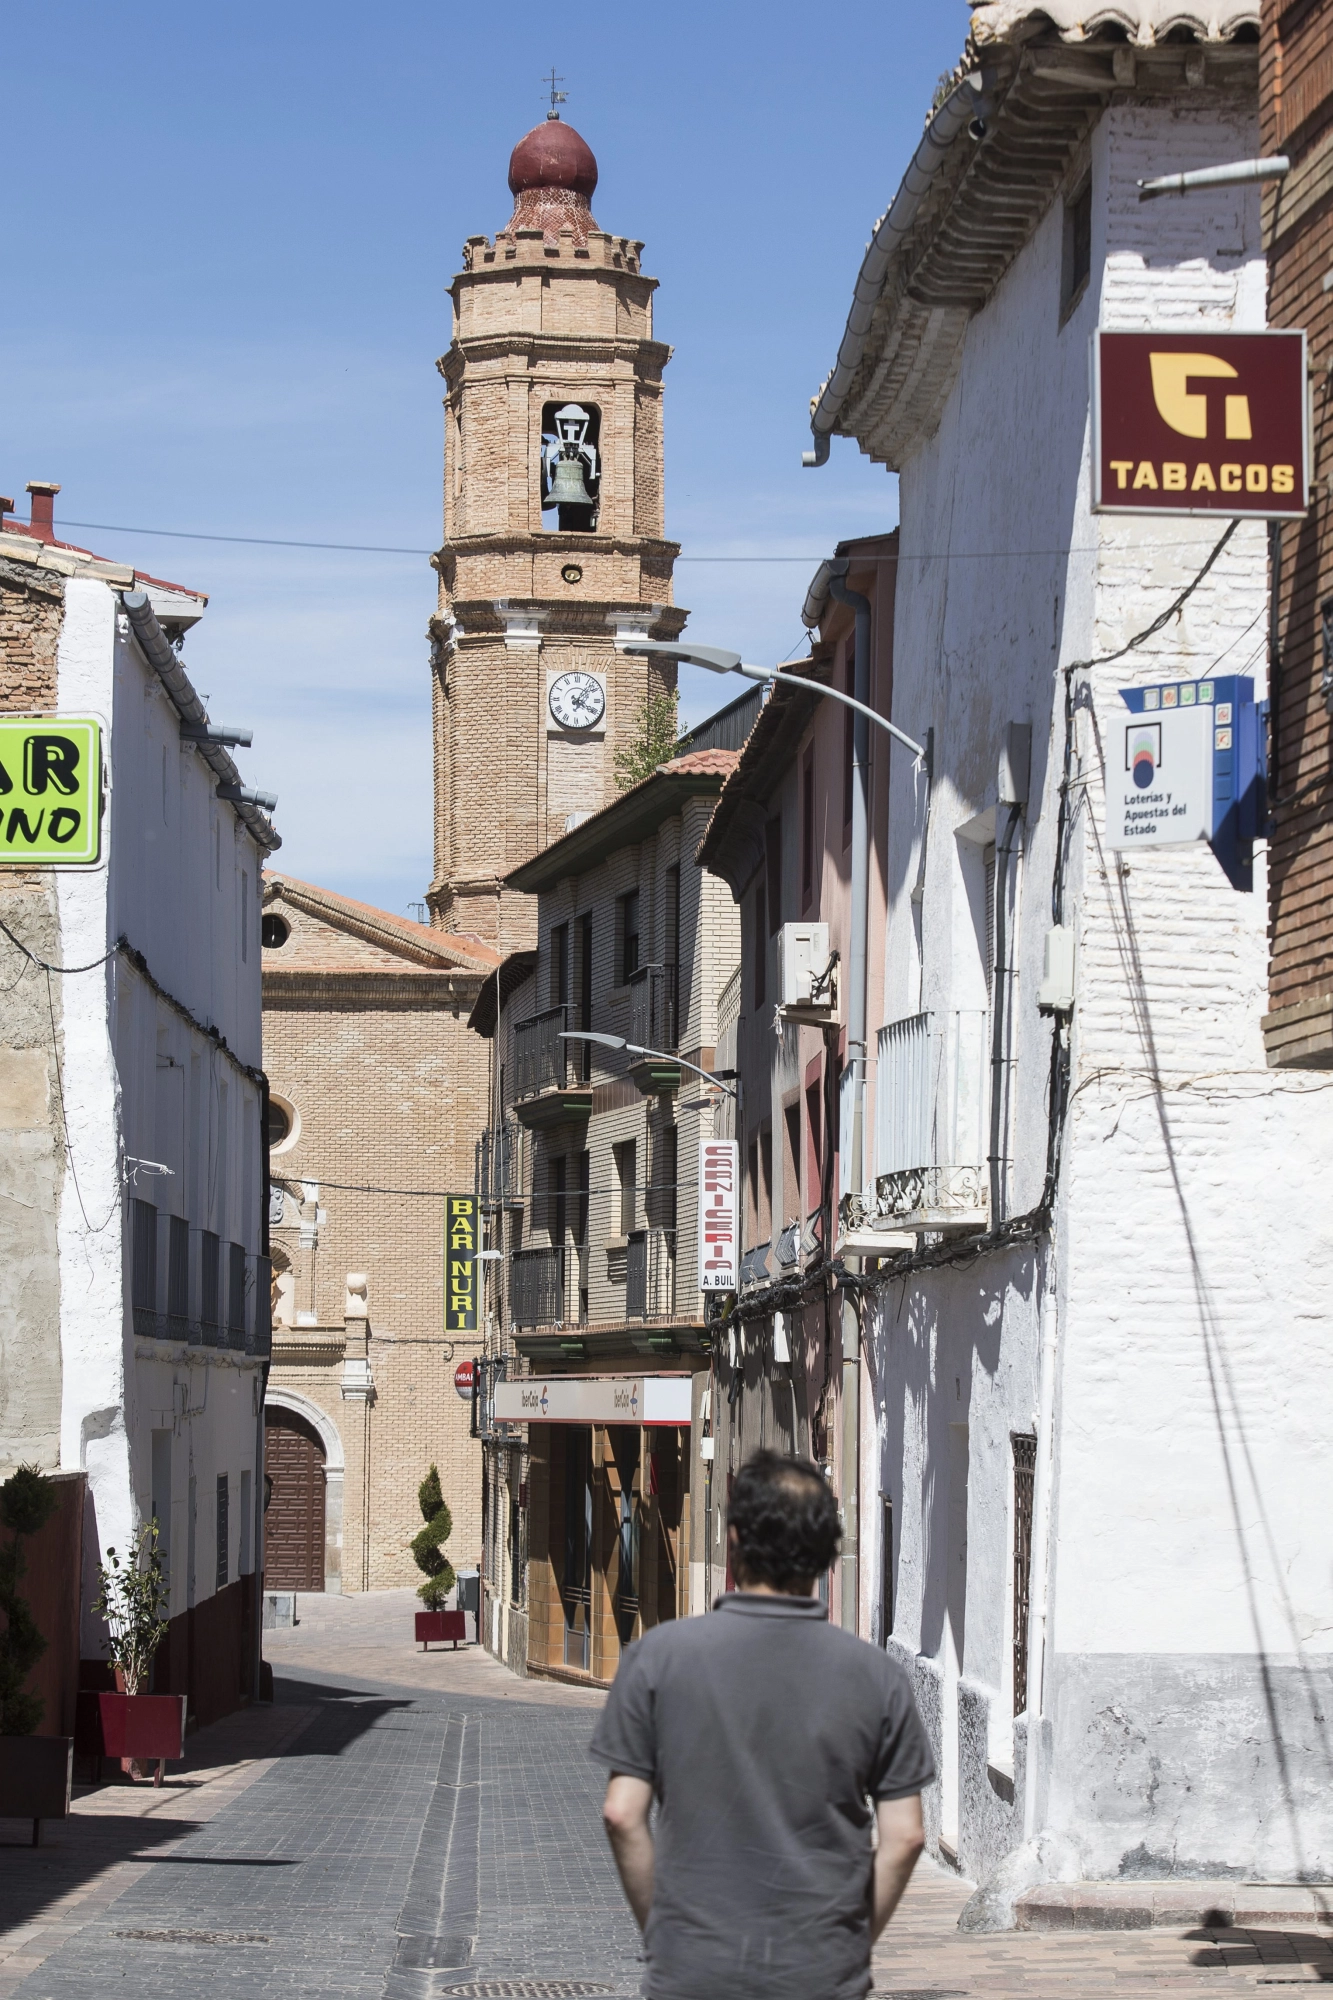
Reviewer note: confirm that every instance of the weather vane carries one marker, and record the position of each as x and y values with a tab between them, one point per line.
556	96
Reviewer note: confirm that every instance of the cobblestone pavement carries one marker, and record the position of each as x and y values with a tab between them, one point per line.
381	1839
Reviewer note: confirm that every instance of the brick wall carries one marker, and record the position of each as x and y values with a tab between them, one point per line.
390	1090
1297	118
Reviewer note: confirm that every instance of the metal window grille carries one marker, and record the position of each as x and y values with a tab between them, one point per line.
537	1287
224	1507
143	1281
1025	1471
210	1271
904	1096
539	1054
178	1268
652	1007
236	1294
932	1091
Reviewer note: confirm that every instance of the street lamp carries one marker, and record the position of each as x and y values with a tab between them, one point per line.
718	660
721	1077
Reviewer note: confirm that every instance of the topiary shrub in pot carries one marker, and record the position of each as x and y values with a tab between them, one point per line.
34	1770
435	1622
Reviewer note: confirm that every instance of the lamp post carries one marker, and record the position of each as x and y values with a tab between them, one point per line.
719	660
721	1077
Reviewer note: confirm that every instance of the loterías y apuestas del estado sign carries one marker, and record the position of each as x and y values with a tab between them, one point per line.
1199	423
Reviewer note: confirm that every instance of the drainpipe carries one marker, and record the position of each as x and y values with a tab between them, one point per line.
856	1056
999	1015
1043	1480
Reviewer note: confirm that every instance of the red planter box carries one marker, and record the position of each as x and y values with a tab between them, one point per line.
441	1625
149	1726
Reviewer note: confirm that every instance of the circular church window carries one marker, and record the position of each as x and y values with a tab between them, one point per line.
275	932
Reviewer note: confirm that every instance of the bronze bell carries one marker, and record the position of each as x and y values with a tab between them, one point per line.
567	487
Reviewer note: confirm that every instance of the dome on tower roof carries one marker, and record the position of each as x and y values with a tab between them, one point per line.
552	155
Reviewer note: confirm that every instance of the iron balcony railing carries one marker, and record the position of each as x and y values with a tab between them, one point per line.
652	1007
537	1287
539	1055
497	1167
650	1274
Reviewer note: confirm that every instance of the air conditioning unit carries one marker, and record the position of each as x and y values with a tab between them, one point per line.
807	984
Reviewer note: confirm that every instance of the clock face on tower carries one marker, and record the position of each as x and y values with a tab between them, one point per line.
577	701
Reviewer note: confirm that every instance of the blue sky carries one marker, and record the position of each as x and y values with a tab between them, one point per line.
230	236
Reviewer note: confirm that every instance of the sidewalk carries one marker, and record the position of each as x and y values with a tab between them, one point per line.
431	1831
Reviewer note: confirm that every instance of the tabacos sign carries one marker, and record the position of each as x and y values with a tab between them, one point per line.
1195	423
50	791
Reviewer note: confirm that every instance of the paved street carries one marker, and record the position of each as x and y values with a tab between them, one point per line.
428	1826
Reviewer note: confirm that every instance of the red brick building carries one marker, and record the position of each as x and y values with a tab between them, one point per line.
1296	86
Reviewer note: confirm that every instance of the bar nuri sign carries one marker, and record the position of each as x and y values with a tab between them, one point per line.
460	1263
1200	423
50	791
719	1236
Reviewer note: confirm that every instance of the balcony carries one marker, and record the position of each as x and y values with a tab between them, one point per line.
545	1091
652	1025
650	1274
932	1097
497	1168
216	1295
537	1287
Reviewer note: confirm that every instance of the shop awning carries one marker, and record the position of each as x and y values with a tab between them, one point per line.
594	1399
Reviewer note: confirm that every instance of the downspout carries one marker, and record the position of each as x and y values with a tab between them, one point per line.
856	1056
265	1306
1040	1560
999	1020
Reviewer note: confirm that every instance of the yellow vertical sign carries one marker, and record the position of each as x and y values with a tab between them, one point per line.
460	1263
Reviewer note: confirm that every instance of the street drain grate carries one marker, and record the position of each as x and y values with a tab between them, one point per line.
527	1989
196	1937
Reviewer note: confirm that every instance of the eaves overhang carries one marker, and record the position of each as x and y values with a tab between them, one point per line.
1005	137
627	820
733	846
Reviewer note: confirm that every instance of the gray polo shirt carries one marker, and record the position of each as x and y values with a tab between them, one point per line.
763	1731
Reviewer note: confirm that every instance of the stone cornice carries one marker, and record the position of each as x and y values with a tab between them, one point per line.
482	625
379	991
558	347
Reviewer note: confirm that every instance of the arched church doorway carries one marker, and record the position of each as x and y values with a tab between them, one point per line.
294	1524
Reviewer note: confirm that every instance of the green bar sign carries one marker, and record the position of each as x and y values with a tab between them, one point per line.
460	1263
50	791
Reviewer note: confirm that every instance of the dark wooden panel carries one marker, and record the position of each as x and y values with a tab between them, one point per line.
294	1520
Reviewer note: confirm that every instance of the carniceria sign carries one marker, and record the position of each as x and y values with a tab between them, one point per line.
50	791
460	1263
1186	765
719	1236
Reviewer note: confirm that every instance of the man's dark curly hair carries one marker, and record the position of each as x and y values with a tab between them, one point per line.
786	1521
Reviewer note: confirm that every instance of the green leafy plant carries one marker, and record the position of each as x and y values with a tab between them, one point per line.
132	1599
27	1502
426	1546
655	742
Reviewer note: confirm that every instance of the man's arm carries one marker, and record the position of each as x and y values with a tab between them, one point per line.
625	1813
902	1836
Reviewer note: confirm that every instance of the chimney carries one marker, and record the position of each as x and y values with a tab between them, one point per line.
6	507
42	517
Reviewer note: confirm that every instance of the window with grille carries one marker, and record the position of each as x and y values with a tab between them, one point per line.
223	1522
144	1257
178	1268
236	1288
1025	1472
210	1276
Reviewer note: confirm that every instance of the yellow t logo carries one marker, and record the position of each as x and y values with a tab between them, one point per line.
1189	414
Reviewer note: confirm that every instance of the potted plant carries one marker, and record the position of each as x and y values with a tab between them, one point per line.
435	1622
133	1725
34	1770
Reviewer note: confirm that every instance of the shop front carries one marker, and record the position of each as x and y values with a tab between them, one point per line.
609	1481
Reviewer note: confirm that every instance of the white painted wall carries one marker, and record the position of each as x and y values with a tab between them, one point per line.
1188	1655
141	1083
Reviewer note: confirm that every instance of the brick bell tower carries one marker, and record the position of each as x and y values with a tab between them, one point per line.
553	534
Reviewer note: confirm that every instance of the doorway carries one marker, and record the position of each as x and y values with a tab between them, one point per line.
294	1518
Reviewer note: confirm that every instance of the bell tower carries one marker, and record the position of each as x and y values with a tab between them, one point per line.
553	534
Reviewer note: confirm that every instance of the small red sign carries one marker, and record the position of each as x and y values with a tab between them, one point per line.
464	1376
1200	423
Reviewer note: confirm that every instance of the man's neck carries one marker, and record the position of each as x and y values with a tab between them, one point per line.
805	1587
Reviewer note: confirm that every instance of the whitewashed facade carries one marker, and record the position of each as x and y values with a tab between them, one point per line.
151	1320
1157	1358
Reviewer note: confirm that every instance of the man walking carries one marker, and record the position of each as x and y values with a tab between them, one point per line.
763	1732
